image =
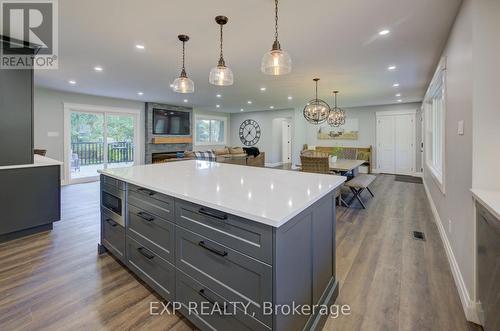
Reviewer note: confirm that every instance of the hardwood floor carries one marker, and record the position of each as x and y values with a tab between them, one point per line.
56	280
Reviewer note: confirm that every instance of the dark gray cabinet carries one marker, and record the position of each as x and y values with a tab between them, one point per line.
16	115
193	255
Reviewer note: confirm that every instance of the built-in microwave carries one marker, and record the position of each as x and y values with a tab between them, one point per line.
113	202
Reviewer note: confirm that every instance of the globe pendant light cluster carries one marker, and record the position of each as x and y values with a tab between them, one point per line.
183	84
221	75
337	115
316	111
276	62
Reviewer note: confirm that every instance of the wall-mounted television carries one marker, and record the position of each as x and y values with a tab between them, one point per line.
171	122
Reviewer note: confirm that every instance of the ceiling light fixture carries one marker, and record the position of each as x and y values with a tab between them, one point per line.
398	95
72	82
276	62
263	89
140	93
395	85
290	98
391	68
249	102
98	68
384	32
219	96
138	46
337	116
217	106
400	100
316	111
183	84
221	75
242	109
186	100
271	107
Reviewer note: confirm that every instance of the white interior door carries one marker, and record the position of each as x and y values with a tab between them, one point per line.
286	142
386	144
404	144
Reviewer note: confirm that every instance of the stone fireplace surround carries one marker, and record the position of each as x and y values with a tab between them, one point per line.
151	148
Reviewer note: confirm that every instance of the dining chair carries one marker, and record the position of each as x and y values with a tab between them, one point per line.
315	164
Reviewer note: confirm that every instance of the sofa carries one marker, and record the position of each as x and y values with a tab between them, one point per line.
233	155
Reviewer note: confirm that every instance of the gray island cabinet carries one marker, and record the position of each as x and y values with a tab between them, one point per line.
203	256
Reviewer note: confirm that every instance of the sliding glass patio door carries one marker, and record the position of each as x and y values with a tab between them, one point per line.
99	140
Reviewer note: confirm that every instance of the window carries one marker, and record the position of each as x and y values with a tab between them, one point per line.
434	113
210	130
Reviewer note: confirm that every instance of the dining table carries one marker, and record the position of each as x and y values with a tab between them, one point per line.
344	166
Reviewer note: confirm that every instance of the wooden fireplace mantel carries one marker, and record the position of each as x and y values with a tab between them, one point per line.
172	140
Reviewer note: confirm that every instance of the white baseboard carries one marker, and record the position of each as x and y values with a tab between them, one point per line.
468	305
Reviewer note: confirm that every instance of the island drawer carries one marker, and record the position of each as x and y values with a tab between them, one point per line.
156	203
252	238
229	273
156	231
113	182
113	236
151	268
203	302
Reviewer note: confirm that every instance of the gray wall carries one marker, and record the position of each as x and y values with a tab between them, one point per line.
367	128
269	142
455	206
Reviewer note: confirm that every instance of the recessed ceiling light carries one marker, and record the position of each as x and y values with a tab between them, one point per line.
140	93
399	100
98	68
217	106
271	107
139	46
242	109
398	95
391	68
186	100
290	98
219	96
171	85
262	89
249	102
384	32
72	82
395	85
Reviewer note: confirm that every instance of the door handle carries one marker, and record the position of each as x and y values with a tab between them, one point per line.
111	222
213	250
146	191
145	216
144	252
220	216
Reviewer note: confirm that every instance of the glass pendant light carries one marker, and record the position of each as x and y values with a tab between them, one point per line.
183	84
316	111
276	62
221	75
337	116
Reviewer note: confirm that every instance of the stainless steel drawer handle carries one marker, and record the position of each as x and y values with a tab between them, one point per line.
144	252
213	250
220	216
146	191
111	222
145	216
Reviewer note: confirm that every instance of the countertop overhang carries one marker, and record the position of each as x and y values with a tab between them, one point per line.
264	195
38	161
490	199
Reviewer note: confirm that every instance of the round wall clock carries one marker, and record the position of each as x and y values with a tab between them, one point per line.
249	132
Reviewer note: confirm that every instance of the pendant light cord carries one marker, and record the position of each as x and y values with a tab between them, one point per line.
221	60
183	55
276	20
316	91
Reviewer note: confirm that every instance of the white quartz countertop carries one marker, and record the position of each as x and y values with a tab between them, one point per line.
490	199
264	195
38	161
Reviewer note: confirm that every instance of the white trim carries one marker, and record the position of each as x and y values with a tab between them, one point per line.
396	112
209	117
272	165
468	305
68	108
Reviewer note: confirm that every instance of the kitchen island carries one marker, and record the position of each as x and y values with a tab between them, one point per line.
251	243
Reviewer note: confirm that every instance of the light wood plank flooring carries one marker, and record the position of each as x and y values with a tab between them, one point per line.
56	280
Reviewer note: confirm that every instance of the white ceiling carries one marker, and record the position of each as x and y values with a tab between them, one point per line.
335	40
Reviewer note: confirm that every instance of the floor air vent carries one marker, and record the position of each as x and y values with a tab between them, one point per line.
408	179
418	235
